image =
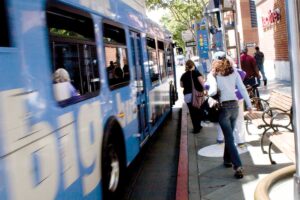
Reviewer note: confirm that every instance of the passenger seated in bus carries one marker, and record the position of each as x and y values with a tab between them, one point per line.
126	72
110	70
118	74
63	89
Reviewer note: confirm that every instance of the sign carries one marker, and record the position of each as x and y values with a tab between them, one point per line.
228	3
250	44
187	35
271	19
202	43
218	40
190	44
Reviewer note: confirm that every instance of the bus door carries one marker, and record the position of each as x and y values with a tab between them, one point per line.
139	81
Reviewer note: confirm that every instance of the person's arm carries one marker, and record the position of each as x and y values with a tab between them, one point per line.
199	77
73	91
243	90
213	89
201	80
181	84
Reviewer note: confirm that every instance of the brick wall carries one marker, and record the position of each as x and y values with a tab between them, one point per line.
250	34
274	39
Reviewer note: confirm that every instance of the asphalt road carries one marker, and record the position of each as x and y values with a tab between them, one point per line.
153	174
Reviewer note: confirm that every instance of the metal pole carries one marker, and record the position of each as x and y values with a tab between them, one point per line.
292	8
237	38
221	6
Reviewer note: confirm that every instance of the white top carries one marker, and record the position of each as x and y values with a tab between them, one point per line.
63	91
211	80
226	85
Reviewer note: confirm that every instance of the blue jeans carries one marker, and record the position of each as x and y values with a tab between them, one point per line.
262	71
227	120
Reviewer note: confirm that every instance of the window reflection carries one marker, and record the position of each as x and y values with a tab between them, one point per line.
153	65
117	65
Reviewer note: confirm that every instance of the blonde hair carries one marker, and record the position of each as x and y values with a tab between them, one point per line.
61	75
222	67
189	65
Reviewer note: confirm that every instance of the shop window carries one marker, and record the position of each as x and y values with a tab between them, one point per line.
74	56
4	32
152	61
116	56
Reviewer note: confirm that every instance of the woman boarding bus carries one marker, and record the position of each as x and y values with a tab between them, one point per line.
59	146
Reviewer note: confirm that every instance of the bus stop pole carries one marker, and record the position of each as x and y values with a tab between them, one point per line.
237	38
292	8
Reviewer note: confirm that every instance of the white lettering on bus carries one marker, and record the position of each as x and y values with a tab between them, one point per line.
33	151
32	180
127	107
68	149
30	174
90	135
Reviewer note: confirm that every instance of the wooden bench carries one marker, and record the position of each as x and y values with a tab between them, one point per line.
276	109
285	142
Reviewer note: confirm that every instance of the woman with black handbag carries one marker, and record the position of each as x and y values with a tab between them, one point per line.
227	79
192	79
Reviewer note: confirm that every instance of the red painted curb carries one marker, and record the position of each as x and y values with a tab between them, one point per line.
182	173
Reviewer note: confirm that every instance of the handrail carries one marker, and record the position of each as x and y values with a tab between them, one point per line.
263	187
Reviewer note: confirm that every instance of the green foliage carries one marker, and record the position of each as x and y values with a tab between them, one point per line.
65	33
182	14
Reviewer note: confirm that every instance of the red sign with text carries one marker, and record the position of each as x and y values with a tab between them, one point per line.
272	18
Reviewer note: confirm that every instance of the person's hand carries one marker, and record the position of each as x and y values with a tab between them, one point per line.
259	76
250	110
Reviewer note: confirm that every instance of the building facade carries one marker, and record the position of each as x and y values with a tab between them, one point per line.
273	37
263	23
247	24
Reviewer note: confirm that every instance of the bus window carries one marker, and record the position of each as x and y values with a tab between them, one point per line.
170	60
152	61
161	56
116	56
72	43
4	33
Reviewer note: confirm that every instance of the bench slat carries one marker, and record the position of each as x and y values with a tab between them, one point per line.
285	142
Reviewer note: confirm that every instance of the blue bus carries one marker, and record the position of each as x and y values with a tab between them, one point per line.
84	84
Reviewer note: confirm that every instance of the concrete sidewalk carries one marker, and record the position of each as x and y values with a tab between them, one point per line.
209	180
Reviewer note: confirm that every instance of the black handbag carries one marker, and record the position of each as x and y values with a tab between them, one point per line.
211	112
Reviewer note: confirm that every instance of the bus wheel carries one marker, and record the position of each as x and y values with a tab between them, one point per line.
113	167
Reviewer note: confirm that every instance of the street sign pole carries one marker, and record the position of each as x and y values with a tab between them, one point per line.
292	10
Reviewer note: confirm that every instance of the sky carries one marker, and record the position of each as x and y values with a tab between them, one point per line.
156	15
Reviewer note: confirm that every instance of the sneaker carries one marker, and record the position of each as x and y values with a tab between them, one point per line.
239	173
220	141
242	145
265	82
